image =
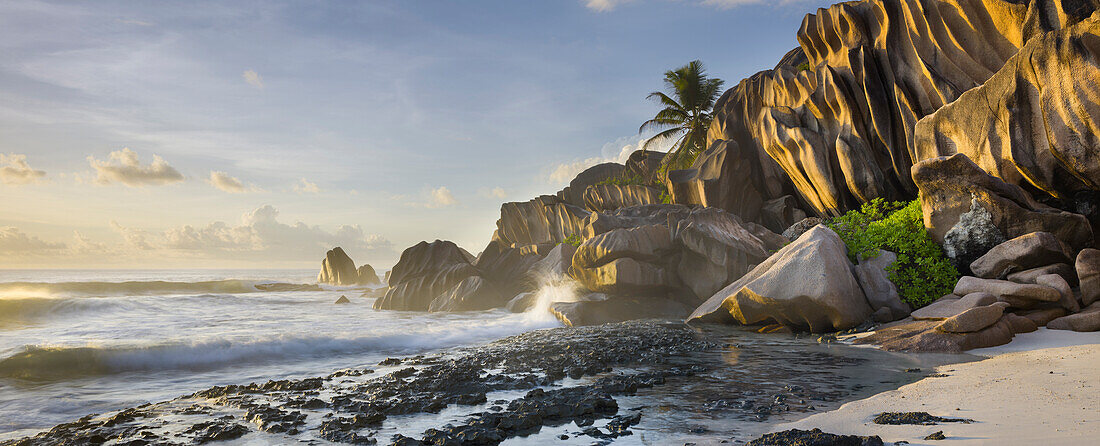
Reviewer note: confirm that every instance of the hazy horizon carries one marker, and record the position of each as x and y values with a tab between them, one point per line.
258	135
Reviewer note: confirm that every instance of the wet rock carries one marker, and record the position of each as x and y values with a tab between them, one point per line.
1021	253
617	309
1088	270
922	336
813	437
343	300
473	293
220	430
367	276
1087	320
937	435
424	272
522	302
1018	295
921	418
556	263
827	297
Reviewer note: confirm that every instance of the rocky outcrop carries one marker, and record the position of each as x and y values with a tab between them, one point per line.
631	217
715	250
425	272
973	235
949	185
724	176
644	164
546	220
574	192
1087	320
616	309
338	269
951	305
924	336
807	285
840	132
626	261
506	268
1034	122
1016	294
367	275
1088	271
609	197
471	294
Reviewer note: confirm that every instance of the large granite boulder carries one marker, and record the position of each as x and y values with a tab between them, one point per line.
609	197
1021	253
556	263
424	272
1035	122
1018	295
338	269
367	275
925	336
574	192
882	295
1064	270
951	305
626	261
780	213
972	236
724	176
644	163
949	185
807	285
546	220
506	268
617	309
715	250
972	320
471	294
631	217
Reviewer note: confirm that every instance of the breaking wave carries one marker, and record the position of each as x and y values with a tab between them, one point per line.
47	363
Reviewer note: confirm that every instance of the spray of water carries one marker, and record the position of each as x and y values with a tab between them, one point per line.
553	286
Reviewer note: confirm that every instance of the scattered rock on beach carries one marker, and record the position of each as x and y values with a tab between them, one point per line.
1087	320
950	305
1019	254
343	300
814	437
922	418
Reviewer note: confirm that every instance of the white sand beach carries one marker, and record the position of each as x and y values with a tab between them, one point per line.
1042	388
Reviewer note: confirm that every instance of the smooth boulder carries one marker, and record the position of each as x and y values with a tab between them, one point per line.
1018	295
951	305
1019	254
424	272
972	320
807	285
473	293
715	250
1087	320
626	261
367	276
881	293
338	269
1088	271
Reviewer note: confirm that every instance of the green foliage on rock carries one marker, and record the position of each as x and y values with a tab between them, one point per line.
573	239
922	273
627	180
804	67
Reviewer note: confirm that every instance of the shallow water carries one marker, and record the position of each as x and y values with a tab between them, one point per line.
79	342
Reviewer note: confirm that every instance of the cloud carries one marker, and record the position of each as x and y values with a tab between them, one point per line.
83	245
14	241
15	170
123	167
441	197
617	151
498	193
135	238
224	182
260	232
603	5
303	186
253	78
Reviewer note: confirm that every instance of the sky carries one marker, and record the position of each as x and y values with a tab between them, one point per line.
243	134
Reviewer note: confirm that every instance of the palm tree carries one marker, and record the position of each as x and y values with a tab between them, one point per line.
685	117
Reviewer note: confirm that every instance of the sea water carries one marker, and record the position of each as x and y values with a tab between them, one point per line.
76	342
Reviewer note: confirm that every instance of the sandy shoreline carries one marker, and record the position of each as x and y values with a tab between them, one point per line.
1042	388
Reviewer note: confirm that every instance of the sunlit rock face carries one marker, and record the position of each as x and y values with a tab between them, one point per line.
834	121
546	220
424	272
338	269
1035	122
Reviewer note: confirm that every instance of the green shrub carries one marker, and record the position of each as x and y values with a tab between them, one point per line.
625	181
804	67
922	273
573	239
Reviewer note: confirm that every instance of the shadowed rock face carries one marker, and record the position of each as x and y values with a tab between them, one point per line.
338	269
841	132
544	220
424	272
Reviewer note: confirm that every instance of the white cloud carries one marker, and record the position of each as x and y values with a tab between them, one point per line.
603	5
124	167
224	182
15	170
253	78
303	186
13	241
498	193
135	238
441	197
83	245
617	151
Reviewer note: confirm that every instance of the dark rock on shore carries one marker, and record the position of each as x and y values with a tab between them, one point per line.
814	437
922	418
